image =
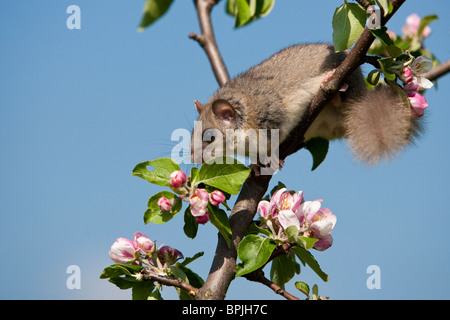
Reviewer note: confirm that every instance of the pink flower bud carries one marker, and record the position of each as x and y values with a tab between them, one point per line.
265	209
143	243
406	75
164	204
391	34
199	202
412	86
411	27
202	219
177	179
216	197
169	255
123	251
323	243
418	104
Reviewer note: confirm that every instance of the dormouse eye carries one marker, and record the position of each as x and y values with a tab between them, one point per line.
210	135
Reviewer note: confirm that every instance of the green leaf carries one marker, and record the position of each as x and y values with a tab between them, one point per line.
386	6
283	269
122	276
424	21
246	11
194	174
177	273
318	147
193	278
243	14
230	7
254	228
304	242
315	292
161	175
224	176
124	283
155	215
348	23
117	270
188	260
219	219
308	258
388	43
153	10
263	7
254	251
279	186
142	290
190	227
373	77
385	65
303	287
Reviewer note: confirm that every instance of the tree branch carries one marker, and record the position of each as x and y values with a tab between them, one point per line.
149	275
438	71
258	276
207	40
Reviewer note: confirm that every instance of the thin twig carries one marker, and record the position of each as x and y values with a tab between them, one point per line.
207	40
149	275
364	3
258	276
438	71
373	60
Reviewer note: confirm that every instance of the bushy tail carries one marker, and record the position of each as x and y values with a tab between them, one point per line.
378	124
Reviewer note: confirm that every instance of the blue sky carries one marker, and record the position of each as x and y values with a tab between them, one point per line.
80	108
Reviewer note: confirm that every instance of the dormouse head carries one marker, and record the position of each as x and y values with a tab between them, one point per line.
216	119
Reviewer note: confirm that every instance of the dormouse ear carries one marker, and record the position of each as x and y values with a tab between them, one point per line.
199	106
223	110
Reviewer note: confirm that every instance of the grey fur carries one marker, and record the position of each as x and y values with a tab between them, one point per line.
275	94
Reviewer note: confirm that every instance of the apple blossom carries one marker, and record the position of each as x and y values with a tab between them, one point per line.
123	251
265	209
321	222
288	218
411	86
177	179
202	219
143	243
411	27
418	104
199	202
164	204
286	209
406	75
284	200
323	243
168	255
420	66
216	197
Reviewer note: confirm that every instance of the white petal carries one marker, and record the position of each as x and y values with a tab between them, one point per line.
288	218
422	64
424	83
